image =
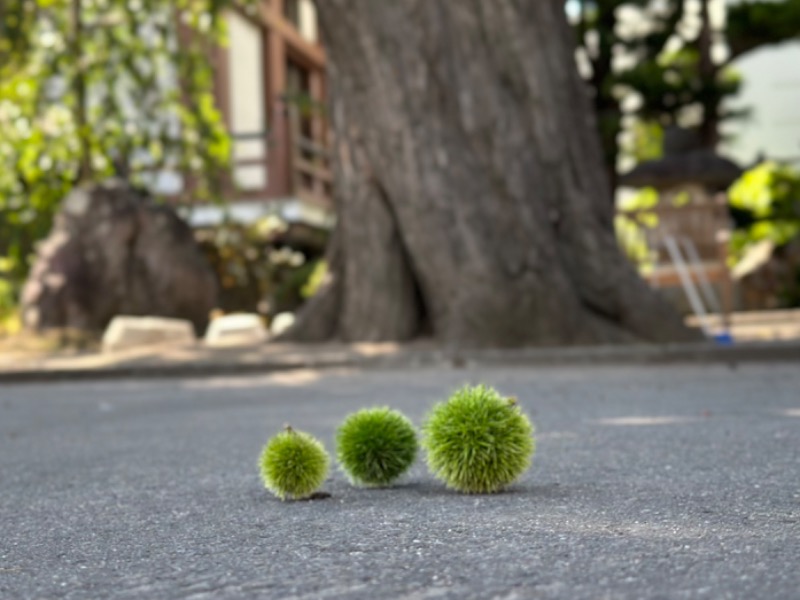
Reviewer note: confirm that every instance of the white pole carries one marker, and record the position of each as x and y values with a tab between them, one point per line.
688	286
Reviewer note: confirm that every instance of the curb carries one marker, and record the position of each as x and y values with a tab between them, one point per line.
699	353
636	355
199	369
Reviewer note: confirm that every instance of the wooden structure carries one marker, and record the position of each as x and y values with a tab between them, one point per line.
696	234
688	231
270	83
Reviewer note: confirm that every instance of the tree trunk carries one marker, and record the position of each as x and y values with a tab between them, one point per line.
711	98
606	105
472	199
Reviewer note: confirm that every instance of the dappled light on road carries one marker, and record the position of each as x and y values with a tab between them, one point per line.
295	377
639	421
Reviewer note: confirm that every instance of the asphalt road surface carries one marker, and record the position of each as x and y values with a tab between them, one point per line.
663	482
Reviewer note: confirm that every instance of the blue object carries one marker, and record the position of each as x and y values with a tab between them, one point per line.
723	339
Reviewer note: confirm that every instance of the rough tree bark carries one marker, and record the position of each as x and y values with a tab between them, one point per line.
472	199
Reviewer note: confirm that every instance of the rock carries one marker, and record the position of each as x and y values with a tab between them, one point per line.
235	330
125	332
114	251
281	323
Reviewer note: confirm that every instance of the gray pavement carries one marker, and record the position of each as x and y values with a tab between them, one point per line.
674	481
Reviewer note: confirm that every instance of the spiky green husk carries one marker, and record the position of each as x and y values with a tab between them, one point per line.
478	442
293	464
375	446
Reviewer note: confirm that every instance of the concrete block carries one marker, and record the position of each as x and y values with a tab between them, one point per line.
281	323
238	329
126	332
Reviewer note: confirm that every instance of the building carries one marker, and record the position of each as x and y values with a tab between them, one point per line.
771	92
270	86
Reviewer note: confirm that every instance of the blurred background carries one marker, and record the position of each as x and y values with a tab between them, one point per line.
203	127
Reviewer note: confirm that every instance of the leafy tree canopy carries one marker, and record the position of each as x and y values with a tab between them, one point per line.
767	198
673	69
95	88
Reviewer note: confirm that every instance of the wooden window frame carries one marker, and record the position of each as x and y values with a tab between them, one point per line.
281	42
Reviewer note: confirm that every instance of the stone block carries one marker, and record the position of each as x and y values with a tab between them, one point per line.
240	329
126	332
281	323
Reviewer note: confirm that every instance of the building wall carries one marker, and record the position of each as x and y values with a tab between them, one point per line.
270	52
772	92
247	119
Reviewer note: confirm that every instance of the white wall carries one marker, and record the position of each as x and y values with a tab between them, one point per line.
771	89
308	20
247	105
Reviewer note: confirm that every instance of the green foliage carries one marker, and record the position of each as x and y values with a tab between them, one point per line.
94	88
375	446
288	292
633	222
755	23
600	38
631	228
259	266
767	202
647	141
478	441
672	82
315	279
9	317
16	19
293	464
36	163
673	73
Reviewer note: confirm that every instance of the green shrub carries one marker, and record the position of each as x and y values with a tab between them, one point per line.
766	204
375	446
260	267
315	279
9	307
478	441
293	464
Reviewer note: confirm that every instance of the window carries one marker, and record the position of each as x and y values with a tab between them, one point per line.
247	103
303	15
